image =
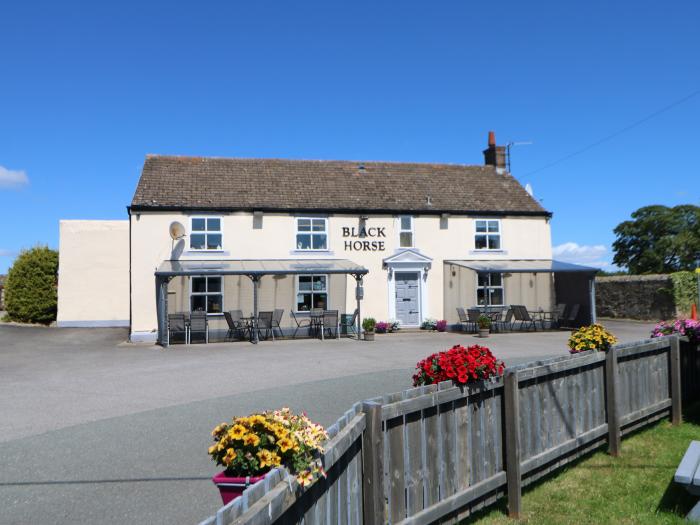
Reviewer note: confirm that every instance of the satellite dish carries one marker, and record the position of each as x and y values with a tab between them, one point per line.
177	231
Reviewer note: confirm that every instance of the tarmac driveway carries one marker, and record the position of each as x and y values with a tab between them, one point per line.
97	430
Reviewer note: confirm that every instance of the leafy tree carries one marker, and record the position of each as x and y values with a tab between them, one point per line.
30	288
659	239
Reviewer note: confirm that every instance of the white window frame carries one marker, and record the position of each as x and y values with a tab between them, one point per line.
488	234
411	230
207	293
311	232
488	287
205	232
312	292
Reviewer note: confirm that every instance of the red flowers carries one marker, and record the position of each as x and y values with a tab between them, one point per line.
461	365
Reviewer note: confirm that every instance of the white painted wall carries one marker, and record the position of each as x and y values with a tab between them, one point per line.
93	273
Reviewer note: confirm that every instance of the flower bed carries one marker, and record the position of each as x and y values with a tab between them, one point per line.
683	327
460	364
593	337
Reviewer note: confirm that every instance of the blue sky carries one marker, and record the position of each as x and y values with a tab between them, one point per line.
89	88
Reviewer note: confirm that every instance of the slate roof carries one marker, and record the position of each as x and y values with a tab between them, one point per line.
229	184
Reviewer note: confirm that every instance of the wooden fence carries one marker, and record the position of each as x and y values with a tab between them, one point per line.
438	453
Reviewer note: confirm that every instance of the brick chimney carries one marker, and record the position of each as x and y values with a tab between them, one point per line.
495	155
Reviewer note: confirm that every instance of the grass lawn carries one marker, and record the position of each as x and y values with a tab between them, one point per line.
636	487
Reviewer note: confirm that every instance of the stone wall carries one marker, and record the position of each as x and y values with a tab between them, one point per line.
647	297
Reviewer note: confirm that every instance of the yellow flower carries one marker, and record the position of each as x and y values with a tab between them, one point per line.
218	429
305	478
212	449
252	440
256	419
285	444
237	432
266	458
229	457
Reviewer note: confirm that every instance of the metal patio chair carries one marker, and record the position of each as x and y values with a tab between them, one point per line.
276	319
264	322
464	319
235	326
506	324
473	315
330	322
571	315
558	314
177	324
521	314
348	323
199	325
301	322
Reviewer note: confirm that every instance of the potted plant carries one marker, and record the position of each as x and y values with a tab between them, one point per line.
381	327
429	324
593	337
441	325
368	324
484	323
463	365
249	447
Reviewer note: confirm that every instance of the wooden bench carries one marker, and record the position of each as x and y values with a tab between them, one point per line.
688	475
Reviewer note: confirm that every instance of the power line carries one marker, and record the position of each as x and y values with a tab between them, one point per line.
617	133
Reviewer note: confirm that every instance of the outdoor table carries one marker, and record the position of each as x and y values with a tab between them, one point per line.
316	322
250	324
542	316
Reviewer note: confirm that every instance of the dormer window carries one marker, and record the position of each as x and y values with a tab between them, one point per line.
206	234
488	234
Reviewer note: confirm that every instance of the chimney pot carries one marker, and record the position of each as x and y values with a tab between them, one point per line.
492	138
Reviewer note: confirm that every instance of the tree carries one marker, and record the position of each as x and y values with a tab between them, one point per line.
659	239
30	288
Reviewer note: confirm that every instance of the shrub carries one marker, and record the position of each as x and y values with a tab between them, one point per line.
368	324
459	364
593	337
685	289
484	322
684	327
441	325
394	325
250	446
381	327
429	324
30	288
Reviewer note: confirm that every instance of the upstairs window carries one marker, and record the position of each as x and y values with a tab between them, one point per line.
489	291
206	295
205	233
406	231
312	234
488	235
312	292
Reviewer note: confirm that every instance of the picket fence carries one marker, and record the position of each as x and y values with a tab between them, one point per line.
440	452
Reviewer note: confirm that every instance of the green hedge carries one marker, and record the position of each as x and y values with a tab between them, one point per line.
685	291
30	288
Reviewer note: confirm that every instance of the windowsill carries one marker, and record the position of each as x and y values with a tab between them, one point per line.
191	253
312	252
494	252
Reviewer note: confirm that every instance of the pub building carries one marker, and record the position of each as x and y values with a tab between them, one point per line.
401	241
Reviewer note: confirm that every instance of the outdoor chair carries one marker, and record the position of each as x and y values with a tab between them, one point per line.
276	319
199	325
521	314
233	320
302	322
464	319
558	314
348	322
571	315
330	322
506	324
177	324
473	315
265	323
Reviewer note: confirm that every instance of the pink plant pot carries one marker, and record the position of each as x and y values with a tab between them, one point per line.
232	487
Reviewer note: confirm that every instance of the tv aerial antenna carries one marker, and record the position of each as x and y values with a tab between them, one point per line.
510	145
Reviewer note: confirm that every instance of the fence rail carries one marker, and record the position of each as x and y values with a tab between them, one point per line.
438	453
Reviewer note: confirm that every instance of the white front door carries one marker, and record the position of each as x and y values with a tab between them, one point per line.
407	298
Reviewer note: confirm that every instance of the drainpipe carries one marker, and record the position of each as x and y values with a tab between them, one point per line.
591	291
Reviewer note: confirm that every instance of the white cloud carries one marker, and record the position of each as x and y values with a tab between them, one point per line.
12	178
589	255
7	253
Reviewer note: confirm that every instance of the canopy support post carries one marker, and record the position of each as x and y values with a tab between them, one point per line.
162	310
254	325
358	296
591	292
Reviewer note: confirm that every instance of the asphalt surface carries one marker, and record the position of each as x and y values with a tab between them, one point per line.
95	430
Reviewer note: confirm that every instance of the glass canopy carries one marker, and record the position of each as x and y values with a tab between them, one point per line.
259	267
524	266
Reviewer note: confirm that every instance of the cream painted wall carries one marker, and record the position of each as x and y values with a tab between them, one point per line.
93	273
522	238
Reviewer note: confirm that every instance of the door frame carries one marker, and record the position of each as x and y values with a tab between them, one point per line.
419	278
408	260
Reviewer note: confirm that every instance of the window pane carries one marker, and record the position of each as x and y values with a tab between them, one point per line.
197	241
304	225
319	241
481	296
481	226
214	225
494	242
303	302
304	241
496	295
405	223
493	226
199	284
320	300
214	304
319	225
214	241
483	279
304	283
214	284
480	242
496	279
320	283
405	239
198	303
198	225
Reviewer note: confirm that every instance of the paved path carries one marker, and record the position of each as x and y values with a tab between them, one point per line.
97	431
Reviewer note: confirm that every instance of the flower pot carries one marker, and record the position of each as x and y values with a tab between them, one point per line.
369	336
483	332
231	487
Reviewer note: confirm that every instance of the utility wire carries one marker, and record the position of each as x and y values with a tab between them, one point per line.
617	133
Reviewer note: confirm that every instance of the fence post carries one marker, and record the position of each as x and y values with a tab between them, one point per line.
512	443
676	407
373	465
611	396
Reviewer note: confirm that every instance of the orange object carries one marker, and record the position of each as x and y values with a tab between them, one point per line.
694	312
